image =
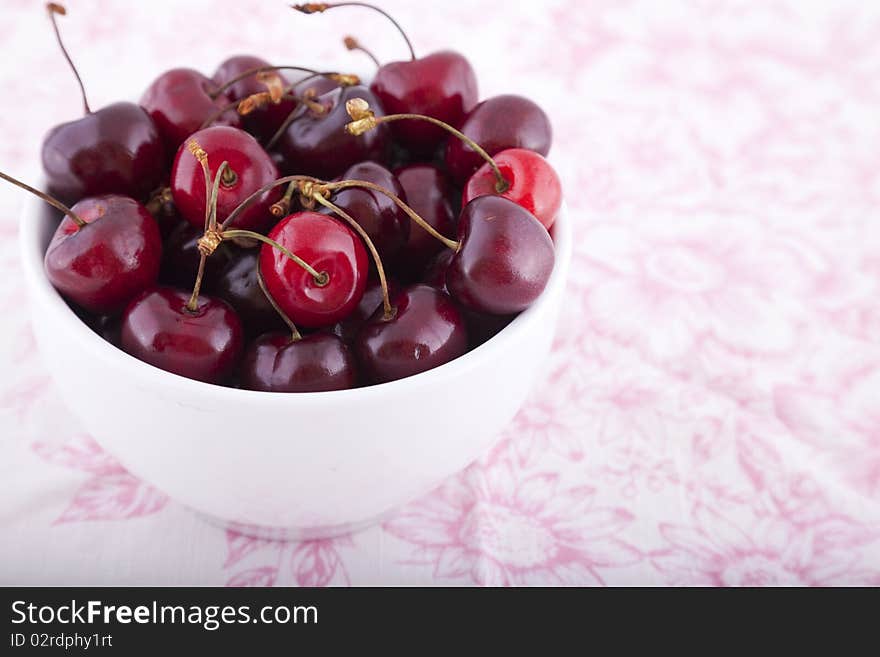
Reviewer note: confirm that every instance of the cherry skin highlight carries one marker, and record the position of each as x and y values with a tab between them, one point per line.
319	362
534	184
496	124
179	101
101	266
426	330
442	85
316	144
331	248
505	258
115	150
250	168
203	344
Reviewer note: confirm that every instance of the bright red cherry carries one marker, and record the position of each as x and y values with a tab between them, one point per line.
496	124
333	251
102	265
427	190
381	218
180	101
203	344
442	85
533	184
426	330
238	285
504	260
317	144
315	363
249	168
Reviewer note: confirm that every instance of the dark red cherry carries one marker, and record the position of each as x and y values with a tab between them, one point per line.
435	272
314	86
348	328
315	363
426	330
385	223
180	261
237	284
104	264
442	85
534	184
179	101
203	344
426	190
331	248
496	124
264	121
505	258
115	150
317	144
249	169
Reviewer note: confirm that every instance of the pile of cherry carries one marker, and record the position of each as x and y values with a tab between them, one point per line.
187	248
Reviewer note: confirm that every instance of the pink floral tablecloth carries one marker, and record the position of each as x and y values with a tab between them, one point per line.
711	411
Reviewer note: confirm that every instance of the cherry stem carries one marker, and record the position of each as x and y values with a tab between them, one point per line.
56	9
199	153
316	108
55	203
268	69
321	278
343	184
250	200
353	44
294	332
383	282
282	206
318	7
210	230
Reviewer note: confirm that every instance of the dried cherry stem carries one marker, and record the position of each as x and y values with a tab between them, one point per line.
344	184
294	332
321	278
250	200
380	269
58	10
307	100
342	78
319	7
364	120
353	44
282	206
209	238
199	153
55	203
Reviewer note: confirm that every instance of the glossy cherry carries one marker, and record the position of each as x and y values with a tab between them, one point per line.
114	150
180	261
427	190
496	124
426	330
315	363
101	266
348	328
180	100
533	184
249	169
317	144
203	344
504	260
333	250
382	219
442	85
238	285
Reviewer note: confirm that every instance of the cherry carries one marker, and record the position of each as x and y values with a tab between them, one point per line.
105	251
316	143
348	328
333	251
180	100
238	285
201	342
426	189
532	183
426	330
385	223
504	259
315	363
114	150
180	262
248	169
435	272
497	124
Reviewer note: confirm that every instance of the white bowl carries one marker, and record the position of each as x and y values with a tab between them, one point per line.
300	465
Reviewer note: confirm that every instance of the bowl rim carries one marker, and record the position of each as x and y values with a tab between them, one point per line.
32	249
